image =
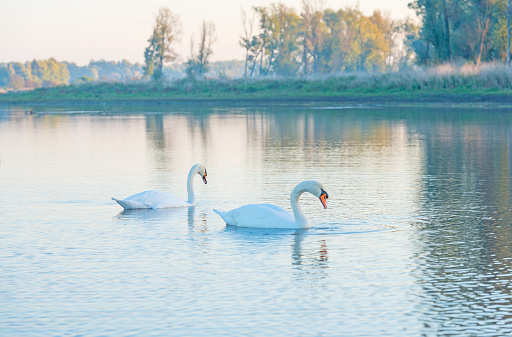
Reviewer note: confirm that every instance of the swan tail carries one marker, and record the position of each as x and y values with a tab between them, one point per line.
225	216
130	205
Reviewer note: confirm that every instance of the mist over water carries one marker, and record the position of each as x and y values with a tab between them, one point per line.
416	239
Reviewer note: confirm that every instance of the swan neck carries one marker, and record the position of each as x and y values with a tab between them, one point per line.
300	218
190	186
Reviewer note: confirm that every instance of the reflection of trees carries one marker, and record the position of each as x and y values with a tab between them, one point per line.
464	258
161	127
464	164
302	135
284	135
175	133
155	130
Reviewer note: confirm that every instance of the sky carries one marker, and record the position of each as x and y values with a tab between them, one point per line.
83	30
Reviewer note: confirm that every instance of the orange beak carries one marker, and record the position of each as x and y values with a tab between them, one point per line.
323	199
204	179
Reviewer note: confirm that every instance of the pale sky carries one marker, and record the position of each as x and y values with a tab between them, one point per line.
83	30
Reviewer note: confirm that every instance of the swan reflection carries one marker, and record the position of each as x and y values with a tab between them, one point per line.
151	214
310	260
309	257
164	215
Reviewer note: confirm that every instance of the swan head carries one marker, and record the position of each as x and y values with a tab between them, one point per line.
313	187
318	190
323	198
201	170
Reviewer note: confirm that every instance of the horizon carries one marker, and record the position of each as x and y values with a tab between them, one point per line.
115	31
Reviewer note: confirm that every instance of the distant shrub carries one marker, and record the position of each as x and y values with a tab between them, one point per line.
85	79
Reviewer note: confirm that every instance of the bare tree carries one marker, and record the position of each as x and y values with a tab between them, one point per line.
247	40
166	34
198	64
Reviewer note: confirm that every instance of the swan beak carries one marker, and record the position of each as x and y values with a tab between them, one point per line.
204	178
323	198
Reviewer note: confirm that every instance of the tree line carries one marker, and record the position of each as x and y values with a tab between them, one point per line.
288	43
51	73
162	43
323	41
279	40
282	41
35	74
468	30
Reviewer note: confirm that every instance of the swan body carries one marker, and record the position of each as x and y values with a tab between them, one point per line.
158	199
272	216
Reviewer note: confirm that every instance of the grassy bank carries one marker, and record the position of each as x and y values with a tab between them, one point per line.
487	83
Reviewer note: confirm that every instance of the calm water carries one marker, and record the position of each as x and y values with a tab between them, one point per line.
416	240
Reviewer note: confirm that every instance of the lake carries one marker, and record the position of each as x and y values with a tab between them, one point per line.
416	239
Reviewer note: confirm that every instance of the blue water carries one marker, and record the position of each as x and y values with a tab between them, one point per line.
416	239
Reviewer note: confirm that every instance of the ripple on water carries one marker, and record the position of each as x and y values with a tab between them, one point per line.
416	239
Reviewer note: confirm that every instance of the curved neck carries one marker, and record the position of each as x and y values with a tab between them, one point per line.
190	186
300	218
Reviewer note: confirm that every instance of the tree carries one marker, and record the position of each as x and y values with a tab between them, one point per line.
198	63
149	58
485	13
263	45
16	82
408	33
4	75
390	30
277	44
370	49
509	13
286	30
166	34
352	42
246	40
436	32
314	32
446	20
337	41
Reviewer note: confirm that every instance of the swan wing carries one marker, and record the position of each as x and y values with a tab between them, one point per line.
259	216
226	217
131	205
152	199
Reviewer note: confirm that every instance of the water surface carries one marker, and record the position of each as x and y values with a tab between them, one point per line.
416	239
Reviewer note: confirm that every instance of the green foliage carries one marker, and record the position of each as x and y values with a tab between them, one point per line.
115	71
105	70
192	69
166	33
35	74
50	73
276	49
472	30
322	41
465	83
85	79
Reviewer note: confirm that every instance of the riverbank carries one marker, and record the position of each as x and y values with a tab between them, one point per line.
490	85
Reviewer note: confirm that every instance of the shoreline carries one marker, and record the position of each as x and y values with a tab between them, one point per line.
390	89
413	99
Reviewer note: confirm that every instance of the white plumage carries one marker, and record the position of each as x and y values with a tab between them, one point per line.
272	216
158	199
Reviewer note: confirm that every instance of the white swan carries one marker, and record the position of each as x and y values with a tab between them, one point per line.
272	216
157	199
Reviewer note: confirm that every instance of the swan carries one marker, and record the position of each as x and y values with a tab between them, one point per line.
272	216
157	199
